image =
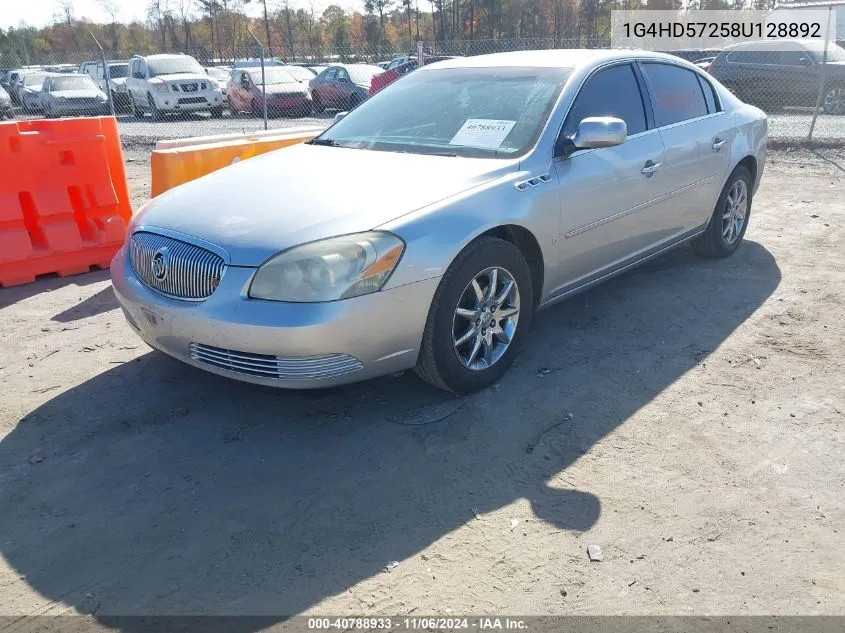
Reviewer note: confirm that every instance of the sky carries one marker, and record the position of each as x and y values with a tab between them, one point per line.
40	13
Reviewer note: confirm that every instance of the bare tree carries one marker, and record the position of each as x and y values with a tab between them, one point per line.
112	9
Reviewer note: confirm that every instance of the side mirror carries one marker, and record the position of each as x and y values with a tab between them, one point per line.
343	79
600	131
339	116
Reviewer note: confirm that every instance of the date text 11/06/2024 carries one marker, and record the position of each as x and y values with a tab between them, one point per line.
421	623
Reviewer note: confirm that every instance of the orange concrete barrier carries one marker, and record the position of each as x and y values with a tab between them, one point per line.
64	202
180	162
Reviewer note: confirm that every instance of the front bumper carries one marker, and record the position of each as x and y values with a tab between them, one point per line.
99	109
381	331
202	100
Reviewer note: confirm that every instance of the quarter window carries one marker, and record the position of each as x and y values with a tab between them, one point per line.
676	92
610	92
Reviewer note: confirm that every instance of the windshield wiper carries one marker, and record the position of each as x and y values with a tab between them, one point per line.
324	141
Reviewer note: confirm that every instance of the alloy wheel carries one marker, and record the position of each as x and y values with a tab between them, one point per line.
485	318
733	216
834	101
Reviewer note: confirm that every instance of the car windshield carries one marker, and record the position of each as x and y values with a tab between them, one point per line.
272	75
218	73
482	112
34	79
363	74
835	53
118	70
174	65
77	82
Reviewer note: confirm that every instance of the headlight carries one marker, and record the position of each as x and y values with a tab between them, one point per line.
120	88
102	98
159	85
336	268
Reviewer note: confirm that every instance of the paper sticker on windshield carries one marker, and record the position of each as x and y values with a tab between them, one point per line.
482	133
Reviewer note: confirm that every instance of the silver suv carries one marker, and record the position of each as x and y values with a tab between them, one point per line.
159	84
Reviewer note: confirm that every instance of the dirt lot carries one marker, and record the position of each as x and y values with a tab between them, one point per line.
687	418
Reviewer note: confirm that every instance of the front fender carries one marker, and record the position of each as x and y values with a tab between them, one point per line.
435	235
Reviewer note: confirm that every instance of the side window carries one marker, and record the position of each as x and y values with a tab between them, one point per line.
676	93
713	104
342	75
610	92
330	74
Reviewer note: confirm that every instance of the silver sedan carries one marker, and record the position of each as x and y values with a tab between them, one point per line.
512	181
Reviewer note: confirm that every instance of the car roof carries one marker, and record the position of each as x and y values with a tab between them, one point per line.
163	56
555	58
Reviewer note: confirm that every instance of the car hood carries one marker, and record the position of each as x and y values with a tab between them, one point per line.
183	77
75	94
299	194
292	86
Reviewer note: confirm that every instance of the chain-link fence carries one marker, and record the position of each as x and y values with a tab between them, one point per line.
208	92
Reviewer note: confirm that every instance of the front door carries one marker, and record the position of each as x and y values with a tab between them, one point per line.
613	217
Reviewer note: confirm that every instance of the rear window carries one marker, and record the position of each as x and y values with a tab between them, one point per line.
677	93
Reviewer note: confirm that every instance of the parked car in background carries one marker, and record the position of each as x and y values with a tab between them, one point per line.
72	95
16	81
546	172
118	73
342	86
774	74
256	63
161	84
396	61
704	62
62	68
30	92
391	75
383	64
694	54
286	88
6	109
88	68
220	76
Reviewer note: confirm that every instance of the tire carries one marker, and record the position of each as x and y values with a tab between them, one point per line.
319	108
157	114
834	100
133	109
438	362
255	111
217	113
714	242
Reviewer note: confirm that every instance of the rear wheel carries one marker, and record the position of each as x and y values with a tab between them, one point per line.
318	104
730	217
834	100
478	317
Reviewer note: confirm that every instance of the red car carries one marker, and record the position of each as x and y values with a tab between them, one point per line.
286	87
389	76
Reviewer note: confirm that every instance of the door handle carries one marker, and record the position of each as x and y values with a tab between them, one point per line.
717	143
650	167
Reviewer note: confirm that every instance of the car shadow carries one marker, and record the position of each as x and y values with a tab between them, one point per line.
156	489
103	301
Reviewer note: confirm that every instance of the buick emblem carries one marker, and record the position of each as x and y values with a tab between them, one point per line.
160	264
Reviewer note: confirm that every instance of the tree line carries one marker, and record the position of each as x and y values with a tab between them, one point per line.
221	29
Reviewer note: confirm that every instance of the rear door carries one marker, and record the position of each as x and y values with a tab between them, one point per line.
343	87
608	195
696	135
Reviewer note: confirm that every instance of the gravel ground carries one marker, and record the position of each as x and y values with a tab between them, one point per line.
686	417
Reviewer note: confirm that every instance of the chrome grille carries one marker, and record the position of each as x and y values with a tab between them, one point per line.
175	268
266	366
189	87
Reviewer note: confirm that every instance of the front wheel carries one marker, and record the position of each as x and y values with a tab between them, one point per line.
157	114
217	113
478	317
730	217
